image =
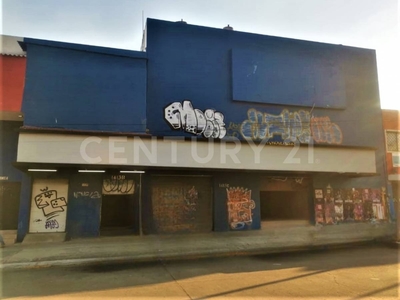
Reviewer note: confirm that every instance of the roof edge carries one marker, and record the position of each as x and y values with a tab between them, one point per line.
287	39
84	48
34	129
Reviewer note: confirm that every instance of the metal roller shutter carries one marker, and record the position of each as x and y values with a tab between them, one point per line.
182	204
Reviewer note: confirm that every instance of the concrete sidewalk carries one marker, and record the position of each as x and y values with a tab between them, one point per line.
169	247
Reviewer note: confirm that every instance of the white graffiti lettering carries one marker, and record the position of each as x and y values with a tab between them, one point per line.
118	186
209	123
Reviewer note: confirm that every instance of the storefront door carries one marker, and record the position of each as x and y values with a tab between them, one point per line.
118	206
49	204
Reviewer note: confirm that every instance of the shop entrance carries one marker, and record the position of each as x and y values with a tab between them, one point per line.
118	207
285	199
9	205
284	205
117	214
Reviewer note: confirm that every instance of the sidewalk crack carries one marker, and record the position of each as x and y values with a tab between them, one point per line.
172	276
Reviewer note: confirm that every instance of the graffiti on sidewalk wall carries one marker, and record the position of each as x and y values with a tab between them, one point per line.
209	123
191	198
118	186
291	127
49	205
325	131
88	194
240	206
349	205
178	208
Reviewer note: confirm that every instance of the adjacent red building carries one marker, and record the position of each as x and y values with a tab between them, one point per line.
391	125
12	78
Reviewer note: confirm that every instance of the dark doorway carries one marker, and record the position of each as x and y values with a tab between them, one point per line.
117	215
284	205
9	205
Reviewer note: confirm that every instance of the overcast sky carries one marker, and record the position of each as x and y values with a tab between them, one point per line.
118	23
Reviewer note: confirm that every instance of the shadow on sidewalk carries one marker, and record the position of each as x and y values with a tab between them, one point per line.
277	269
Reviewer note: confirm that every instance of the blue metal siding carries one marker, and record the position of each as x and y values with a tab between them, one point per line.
8	150
24	207
293	76
84	206
83	90
195	63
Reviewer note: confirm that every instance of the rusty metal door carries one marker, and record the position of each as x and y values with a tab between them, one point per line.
182	204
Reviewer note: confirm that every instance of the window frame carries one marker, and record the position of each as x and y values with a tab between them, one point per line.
386	140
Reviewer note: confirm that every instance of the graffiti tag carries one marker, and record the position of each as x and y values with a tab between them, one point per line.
51	224
92	195
291	127
240	206
49	203
209	123
118	186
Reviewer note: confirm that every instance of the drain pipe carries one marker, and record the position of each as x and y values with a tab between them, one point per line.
140	206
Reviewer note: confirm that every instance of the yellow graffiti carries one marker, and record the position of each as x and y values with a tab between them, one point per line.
233	130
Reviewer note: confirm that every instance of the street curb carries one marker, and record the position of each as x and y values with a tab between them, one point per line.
98	261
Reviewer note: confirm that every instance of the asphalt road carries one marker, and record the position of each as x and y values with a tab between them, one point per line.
368	272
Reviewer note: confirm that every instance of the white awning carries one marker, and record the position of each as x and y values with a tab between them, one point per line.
55	148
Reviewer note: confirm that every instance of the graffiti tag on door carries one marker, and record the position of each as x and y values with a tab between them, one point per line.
118	187
209	123
51	205
191	198
240	206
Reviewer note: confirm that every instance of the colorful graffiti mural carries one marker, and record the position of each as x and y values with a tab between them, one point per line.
338	206
291	127
209	123
181	204
349	205
324	131
240	206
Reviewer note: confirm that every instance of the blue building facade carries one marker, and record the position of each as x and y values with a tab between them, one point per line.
294	128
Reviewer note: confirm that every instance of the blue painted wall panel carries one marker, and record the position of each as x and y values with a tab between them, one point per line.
291	76
195	63
84	206
84	90
8	150
24	207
